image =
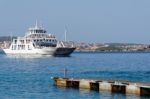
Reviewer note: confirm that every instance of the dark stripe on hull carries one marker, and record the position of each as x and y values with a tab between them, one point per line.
64	51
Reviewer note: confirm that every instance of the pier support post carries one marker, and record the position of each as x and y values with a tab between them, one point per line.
105	86
119	87
73	84
61	82
85	84
94	86
132	89
65	72
145	91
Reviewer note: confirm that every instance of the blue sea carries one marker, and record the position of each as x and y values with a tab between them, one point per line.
29	77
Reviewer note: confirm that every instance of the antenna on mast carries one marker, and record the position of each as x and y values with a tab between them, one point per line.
11	37
40	24
36	24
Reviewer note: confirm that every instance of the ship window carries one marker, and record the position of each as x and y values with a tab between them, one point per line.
23	46
29	47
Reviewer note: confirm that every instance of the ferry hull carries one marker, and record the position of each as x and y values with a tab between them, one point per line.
43	51
64	51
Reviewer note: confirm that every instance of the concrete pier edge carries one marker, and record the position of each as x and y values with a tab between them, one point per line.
123	87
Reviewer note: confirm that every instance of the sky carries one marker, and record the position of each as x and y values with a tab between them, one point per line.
101	21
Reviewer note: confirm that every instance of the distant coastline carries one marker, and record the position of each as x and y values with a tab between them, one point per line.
96	47
112	52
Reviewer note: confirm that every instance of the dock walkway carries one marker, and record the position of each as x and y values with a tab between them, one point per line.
124	87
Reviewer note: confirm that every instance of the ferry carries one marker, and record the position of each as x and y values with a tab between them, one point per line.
35	41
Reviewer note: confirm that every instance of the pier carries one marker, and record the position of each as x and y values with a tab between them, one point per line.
124	87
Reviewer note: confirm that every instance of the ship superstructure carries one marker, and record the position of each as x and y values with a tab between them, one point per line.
35	41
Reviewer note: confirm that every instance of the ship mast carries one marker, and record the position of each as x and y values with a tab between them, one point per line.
36	24
65	34
11	37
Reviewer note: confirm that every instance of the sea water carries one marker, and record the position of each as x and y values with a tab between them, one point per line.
29	77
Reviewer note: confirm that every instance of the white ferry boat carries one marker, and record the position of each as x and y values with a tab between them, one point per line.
35	41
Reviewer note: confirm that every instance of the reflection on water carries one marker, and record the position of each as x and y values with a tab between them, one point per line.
88	94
